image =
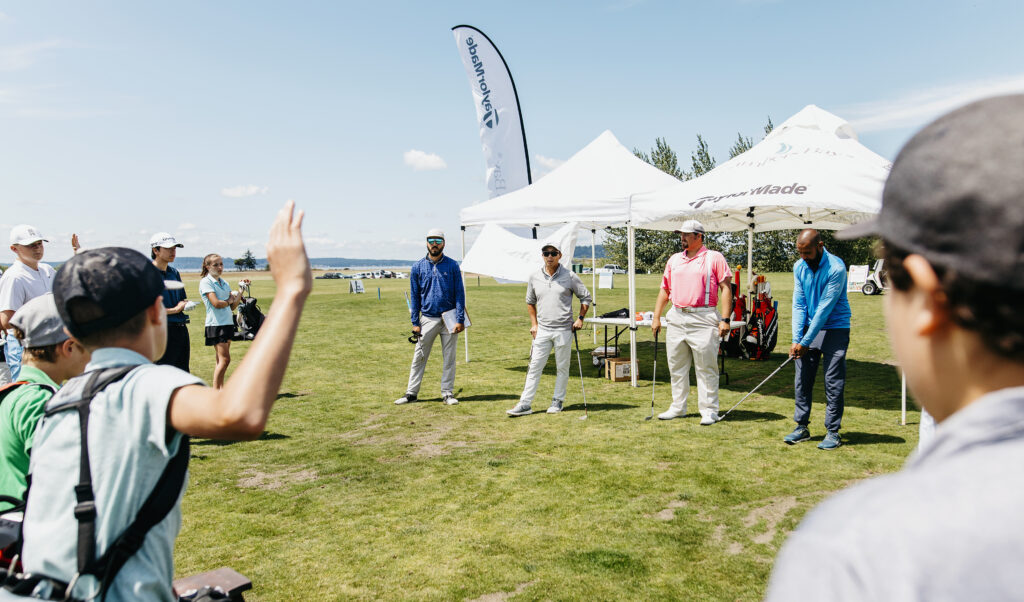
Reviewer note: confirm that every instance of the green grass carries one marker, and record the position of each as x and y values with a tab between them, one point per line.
348	496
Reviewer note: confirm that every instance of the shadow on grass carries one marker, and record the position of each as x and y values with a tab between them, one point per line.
266	436
600	407
739	415
855	438
493	397
290	395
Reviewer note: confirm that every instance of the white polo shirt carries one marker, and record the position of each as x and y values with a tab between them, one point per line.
20	284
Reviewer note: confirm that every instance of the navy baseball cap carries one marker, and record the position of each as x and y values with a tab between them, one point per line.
955	194
121	282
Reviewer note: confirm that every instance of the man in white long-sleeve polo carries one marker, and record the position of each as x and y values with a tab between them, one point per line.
549	293
694	281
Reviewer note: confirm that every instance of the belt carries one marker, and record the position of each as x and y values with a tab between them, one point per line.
695	310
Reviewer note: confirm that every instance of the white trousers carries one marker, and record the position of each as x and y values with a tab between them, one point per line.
561	341
430	328
693	337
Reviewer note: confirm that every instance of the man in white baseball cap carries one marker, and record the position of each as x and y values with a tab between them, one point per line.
693	283
163	252
26	279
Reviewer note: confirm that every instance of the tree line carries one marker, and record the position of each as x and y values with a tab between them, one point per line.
774	251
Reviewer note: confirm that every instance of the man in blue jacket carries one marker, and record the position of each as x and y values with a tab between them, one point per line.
436	286
821	335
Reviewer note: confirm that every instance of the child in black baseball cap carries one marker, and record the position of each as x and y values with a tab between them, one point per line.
111	302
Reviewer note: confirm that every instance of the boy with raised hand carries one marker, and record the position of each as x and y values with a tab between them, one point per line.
111	302
948	526
50	358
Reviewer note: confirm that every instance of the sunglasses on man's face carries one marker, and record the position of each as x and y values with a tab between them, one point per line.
435	241
550	253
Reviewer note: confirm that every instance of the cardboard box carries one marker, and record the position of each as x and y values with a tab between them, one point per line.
609	351
617	369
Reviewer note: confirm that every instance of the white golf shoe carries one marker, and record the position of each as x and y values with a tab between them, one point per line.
449	400
669	415
407	398
709	419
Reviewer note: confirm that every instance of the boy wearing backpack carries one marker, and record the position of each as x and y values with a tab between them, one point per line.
50	358
138	425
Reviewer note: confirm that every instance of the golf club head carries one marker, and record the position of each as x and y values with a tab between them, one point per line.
583	417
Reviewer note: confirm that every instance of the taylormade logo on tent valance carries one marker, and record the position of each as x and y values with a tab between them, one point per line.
490	118
794	188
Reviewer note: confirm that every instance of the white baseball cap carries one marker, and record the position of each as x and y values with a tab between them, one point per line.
435	233
25	234
554	244
691	225
165	240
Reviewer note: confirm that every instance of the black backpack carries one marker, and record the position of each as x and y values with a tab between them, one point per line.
156	507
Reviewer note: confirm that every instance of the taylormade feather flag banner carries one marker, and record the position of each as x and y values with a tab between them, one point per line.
497	111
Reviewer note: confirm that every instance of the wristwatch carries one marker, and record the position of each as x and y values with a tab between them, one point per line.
725	320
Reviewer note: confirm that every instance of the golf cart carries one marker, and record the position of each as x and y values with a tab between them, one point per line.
876	279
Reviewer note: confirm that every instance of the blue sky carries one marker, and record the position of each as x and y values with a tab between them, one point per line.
120	119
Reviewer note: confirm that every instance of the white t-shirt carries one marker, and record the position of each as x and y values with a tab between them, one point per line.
20	284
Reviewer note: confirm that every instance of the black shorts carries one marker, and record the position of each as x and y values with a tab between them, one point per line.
219	334
178	346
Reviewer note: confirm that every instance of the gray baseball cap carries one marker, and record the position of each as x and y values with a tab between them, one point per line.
40	322
956	193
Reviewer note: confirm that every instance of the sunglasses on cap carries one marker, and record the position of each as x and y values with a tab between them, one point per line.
550	253
435	241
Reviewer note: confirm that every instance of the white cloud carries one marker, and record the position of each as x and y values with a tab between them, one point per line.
544	165
13	58
547	162
187	226
916	108
423	161
243	190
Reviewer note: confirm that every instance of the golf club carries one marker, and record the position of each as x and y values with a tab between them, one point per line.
579	363
722	417
654	376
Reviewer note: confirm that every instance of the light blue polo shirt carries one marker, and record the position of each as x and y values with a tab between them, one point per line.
130	443
216	316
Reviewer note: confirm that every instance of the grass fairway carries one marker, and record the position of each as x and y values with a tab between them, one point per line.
348	496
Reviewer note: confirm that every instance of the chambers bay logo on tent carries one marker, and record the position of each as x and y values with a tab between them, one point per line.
490	118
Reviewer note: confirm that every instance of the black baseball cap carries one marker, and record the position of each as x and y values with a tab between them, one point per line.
956	193
121	281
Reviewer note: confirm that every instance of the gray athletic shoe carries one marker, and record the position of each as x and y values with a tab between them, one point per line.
407	398
449	400
521	409
556	406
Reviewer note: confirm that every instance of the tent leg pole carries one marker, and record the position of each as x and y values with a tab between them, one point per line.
465	333
593	274
632	304
750	255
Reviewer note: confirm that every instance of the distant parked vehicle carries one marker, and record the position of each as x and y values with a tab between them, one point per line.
329	276
613	268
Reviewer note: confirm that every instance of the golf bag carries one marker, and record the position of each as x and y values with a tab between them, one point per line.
762	322
732	345
250	318
759	335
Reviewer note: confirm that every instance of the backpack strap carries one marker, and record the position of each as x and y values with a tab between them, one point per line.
9	388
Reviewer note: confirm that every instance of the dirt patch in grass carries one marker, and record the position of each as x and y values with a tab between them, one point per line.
257	479
502	596
670	512
771	514
425	443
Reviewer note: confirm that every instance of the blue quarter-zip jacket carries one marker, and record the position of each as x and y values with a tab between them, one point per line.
436	288
819	298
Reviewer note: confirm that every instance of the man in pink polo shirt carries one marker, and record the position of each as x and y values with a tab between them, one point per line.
694	282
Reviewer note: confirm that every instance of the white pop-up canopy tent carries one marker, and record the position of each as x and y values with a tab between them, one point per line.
810	171
594	188
502	254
